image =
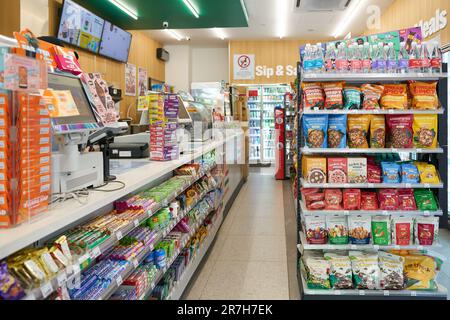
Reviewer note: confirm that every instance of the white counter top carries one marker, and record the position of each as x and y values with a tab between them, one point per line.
64	214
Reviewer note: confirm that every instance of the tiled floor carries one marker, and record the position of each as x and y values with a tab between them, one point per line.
444	275
248	260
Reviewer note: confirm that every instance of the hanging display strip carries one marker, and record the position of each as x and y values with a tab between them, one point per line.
375	111
372	77
310	151
372	185
71	272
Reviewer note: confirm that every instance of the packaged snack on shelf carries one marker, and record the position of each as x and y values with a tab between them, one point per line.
340	271
425	129
337	227
333	95
352	98
427	172
315	129
305	191
378	132
352	199
316	230
337	170
315	169
409	173
402	231
333	199
369	201
388	199
373	173
394	96
317	270
313	97
421	271
406	200
357	131
424	95
357	170
365	269
371	96
337	131
425	200
10	288
426	230
359	229
391	271
315	201
391	172
381	230
400	131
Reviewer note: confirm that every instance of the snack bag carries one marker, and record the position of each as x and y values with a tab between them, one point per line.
369	201
333	199
388	199
316	230
313	98
315	170
315	129
10	288
427	172
366	273
426	231
425	129
373	173
378	132
333	95
352	199
421	271
317	271
394	97
391	171
337	131
424	95
358	128
341	270
402	231
352	98
357	170
391	271
372	94
315	201
359	229
337	227
409	173
381	230
406	200
400	131
337	170
425	200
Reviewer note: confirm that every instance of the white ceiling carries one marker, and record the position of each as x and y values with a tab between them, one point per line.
266	16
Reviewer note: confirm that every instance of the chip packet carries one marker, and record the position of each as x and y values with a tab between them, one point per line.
337	131
359	229
399	131
371	96
337	228
357	132
402	231
426	231
341	270
425	200
391	271
352	98
315	128
378	132
394	97
366	273
317	270
424	95
333	95
425	127
313	98
381	230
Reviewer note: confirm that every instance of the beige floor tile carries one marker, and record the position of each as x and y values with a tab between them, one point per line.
200	282
254	248
247	280
260	226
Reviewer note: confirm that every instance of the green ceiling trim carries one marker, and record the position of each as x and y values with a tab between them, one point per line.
152	13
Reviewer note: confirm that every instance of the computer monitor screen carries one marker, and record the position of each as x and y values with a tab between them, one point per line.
71	105
80	27
115	43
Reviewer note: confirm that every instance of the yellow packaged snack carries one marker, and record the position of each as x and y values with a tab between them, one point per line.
424	95
357	132
395	97
427	172
421	272
425	129
315	169
378	132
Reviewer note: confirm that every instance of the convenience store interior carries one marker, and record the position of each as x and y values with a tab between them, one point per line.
224	150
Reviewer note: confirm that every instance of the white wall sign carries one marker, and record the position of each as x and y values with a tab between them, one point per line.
435	24
244	67
279	71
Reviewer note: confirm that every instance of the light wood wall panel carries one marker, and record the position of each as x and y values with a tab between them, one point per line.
406	13
270	53
9	17
142	54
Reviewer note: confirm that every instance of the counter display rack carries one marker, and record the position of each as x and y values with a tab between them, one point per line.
437	156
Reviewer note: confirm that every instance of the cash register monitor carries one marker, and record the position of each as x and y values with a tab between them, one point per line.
84	113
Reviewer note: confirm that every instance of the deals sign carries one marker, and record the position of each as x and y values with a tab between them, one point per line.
244	67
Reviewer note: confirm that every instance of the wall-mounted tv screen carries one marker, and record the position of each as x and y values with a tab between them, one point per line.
115	43
80	27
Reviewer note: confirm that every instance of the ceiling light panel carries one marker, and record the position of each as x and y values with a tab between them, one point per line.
192	8
119	4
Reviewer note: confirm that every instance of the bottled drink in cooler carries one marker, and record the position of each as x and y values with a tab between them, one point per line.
436	58
365	56
382	59
403	59
341	60
414	59
355	60
425	58
392	63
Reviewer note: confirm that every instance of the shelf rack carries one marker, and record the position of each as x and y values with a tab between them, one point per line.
437	156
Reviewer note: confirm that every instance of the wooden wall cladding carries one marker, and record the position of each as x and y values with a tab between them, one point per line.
406	13
9	17
142	54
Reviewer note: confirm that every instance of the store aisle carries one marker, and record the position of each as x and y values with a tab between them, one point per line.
248	259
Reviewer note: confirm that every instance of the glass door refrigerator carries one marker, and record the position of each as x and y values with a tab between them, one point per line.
254	108
272	97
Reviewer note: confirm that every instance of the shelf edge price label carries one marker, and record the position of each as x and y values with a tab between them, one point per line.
46	289
427	213
119	235
119	280
385	213
62	279
413	294
386	293
376	247
371	186
149	213
136	223
95	253
76	269
362	292
427	185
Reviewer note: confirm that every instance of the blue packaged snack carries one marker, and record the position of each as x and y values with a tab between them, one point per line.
410	173
391	172
315	129
337	131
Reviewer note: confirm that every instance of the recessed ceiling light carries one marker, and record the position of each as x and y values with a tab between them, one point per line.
219	33
282	7
192	8
174	34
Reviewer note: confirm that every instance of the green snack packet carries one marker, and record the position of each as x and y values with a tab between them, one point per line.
425	200
381	234
337	227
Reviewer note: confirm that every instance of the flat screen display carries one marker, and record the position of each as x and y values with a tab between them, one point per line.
115	43
80	27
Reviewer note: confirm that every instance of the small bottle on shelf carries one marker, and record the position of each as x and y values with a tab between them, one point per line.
330	59
403	59
425	58
392	62
436	58
356	64
341	60
374	58
319	65
366	61
381	58
414	59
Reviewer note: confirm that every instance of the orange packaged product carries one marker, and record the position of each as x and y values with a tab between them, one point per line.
424	95
35	181
34	130
4	174
34	171
28	120
34	160
395	97
4	186
4	133
33	150
35	140
5	201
